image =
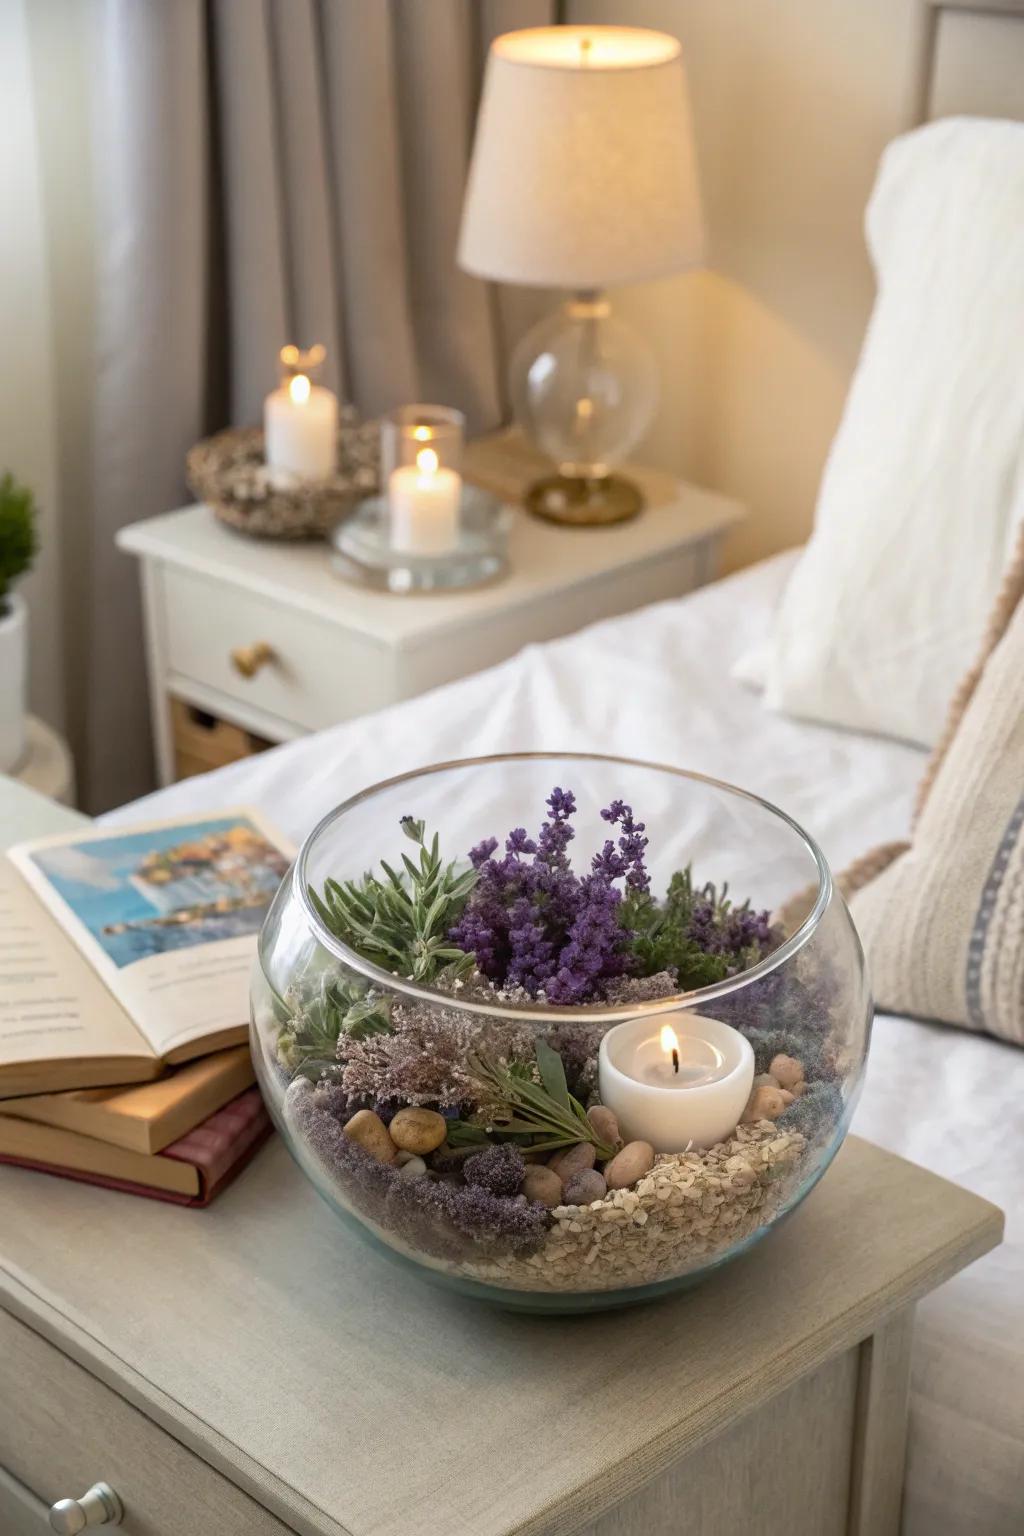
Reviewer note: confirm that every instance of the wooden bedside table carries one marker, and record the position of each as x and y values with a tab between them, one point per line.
259	642
255	1370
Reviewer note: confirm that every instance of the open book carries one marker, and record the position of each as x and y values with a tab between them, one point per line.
125	951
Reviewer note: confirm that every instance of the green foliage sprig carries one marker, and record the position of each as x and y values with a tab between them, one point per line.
542	1115
402	922
662	939
18	540
309	1038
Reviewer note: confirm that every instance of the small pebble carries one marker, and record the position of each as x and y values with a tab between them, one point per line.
786	1071
542	1184
798	1090
605	1124
787	1097
418	1130
765	1080
412	1168
635	1159
368	1131
763	1104
573	1160
584	1188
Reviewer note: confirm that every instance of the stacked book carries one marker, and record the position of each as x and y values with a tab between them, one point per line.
124	965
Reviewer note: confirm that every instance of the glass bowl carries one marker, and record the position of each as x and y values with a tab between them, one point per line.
336	1033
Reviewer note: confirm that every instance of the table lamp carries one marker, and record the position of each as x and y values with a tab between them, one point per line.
583	175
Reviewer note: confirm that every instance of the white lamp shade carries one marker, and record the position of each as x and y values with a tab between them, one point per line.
583	172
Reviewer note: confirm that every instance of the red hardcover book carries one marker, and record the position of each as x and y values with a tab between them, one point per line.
191	1171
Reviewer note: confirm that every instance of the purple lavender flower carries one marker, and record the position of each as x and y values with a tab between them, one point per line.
499	1169
532	923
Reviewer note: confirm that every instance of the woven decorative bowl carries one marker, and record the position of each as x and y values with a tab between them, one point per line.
228	472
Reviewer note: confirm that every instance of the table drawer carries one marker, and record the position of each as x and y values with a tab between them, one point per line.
313	674
61	1430
21	1513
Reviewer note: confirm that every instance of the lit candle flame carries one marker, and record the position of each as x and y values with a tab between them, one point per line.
427	461
670	1044
298	388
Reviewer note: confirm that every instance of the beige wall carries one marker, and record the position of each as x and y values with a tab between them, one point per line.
793	101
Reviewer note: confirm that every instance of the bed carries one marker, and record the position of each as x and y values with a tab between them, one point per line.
936	1095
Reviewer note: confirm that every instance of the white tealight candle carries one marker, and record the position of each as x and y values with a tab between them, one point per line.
300	427
423	499
676	1080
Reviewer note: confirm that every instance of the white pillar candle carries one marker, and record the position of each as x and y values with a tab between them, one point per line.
676	1080
300	427
423	499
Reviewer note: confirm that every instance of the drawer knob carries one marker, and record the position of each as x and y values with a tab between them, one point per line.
247	659
100	1506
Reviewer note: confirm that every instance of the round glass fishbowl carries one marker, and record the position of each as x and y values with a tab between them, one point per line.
563	1031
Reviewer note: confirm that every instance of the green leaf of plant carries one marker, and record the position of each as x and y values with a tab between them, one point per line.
552	1073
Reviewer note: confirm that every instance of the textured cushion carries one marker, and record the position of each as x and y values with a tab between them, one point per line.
942	919
922	488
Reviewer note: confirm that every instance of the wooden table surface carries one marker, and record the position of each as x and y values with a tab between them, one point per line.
352	1398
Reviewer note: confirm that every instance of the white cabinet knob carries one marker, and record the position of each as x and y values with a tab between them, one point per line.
100	1506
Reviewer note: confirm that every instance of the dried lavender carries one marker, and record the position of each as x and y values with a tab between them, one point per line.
425	1059
447	1220
697	934
531	922
498	1169
817	1113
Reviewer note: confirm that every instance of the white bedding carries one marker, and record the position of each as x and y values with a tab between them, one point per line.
656	685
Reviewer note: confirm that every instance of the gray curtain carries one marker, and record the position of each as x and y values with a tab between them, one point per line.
268	171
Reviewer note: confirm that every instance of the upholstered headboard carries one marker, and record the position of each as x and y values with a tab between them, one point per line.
969	59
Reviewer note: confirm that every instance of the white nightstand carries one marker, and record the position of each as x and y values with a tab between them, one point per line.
261	642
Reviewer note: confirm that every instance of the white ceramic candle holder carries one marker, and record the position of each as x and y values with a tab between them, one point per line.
676	1080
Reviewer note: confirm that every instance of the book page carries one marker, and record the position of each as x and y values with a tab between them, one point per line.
53	1007
168	914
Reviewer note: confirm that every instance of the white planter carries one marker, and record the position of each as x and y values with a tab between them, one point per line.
13	681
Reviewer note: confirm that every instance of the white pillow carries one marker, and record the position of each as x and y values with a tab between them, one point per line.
925	479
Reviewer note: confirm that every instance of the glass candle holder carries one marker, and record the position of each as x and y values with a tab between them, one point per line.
300	420
421	464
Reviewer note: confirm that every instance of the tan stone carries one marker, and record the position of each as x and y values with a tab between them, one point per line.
763	1104
369	1132
573	1160
786	1071
605	1124
418	1130
542	1184
629	1165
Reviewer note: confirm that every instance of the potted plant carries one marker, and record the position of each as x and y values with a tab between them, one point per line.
17	551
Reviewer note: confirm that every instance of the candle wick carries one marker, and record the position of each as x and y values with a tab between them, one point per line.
675	1061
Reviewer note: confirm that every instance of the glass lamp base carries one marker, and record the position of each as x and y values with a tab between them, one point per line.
584	502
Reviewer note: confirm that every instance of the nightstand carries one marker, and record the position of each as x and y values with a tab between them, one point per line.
253	642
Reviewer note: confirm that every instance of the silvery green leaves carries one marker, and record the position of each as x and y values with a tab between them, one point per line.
318	1019
402	922
541	1115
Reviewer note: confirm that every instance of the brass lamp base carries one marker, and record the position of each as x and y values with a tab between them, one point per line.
584	503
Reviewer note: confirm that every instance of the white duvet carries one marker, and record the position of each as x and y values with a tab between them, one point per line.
656	685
